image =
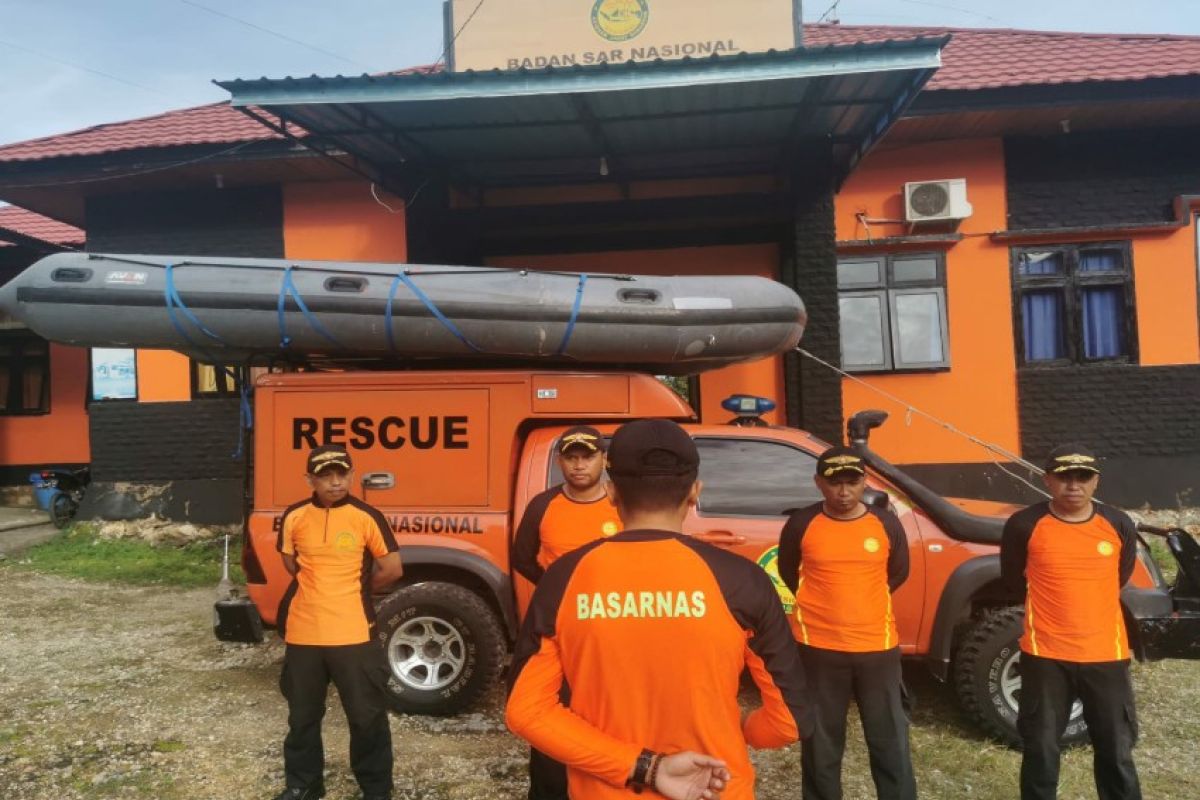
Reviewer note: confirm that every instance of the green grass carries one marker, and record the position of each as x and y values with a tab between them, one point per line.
1163	557
79	553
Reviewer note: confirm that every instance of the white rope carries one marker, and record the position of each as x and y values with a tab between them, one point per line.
910	409
390	210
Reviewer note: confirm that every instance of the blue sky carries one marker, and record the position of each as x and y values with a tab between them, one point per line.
68	64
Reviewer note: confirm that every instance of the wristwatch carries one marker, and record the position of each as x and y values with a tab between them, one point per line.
641	770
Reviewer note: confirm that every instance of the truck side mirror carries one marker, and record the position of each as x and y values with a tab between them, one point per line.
877	498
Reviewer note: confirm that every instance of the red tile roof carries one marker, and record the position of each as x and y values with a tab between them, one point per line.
218	123
30	224
975	58
991	58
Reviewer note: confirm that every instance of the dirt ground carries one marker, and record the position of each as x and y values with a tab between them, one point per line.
112	691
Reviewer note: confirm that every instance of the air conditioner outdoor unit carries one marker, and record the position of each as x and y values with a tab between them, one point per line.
936	201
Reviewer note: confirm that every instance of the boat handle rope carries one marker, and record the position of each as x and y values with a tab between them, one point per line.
429	304
562	348
288	287
175	301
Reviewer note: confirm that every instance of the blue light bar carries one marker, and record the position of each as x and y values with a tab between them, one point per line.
747	405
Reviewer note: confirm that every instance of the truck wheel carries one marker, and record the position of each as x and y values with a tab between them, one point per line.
987	677
444	645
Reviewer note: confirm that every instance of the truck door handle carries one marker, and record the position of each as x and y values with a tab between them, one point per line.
720	538
378	480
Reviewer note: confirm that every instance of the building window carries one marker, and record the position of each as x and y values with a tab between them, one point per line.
1074	303
24	373
893	312
114	374
210	381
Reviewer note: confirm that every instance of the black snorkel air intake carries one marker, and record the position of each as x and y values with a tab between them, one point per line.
957	523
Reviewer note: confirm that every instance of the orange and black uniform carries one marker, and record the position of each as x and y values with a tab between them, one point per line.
327	619
1075	643
554	525
652	631
843	573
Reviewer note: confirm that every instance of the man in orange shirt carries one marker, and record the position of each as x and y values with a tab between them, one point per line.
652	630
556	522
843	559
339	549
1070	557
570	514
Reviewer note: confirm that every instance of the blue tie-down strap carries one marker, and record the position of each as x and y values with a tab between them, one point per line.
562	348
240	378
288	288
429	304
175	303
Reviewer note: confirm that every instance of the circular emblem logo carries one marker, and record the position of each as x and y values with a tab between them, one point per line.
871	544
620	20
345	541
1104	548
609	527
769	561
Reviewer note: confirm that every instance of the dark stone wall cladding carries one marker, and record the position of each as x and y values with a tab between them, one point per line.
1085	179
161	442
243	222
1118	410
1143	421
815	279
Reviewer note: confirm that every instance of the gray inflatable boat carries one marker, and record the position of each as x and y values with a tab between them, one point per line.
242	310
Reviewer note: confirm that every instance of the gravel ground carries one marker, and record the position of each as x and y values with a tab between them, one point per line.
110	691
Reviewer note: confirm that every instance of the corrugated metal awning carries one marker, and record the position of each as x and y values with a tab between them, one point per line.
744	114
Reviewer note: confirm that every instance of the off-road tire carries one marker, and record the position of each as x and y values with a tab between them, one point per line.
469	631
983	660
62	510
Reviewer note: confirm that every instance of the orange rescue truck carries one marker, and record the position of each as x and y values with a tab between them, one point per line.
452	458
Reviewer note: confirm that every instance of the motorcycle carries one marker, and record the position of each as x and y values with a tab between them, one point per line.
71	485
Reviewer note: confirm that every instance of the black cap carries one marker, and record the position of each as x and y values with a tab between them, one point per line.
837	460
584	436
652	447
1069	457
326	456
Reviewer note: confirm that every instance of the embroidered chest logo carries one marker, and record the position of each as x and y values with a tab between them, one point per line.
871	544
345	542
609	527
1104	548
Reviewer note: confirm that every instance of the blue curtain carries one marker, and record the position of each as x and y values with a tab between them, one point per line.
1042	322
1103	309
1100	261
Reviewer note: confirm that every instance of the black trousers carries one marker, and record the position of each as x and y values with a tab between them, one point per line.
359	671
1048	690
875	682
547	777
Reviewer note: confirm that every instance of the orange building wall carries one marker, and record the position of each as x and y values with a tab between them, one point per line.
763	377
342	222
62	435
979	392
163	376
1164	270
